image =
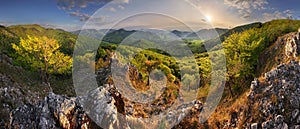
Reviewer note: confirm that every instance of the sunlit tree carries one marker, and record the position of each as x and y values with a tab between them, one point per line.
43	54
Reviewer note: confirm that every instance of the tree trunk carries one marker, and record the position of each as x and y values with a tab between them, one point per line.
228	84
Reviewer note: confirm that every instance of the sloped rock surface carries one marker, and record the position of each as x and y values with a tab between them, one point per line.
13	95
57	111
277	97
274	99
100	105
54	112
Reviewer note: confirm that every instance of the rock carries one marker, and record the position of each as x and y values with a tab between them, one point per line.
284	126
5	59
12	95
295	113
233	119
47	113
98	106
254	126
294	101
268	124
254	85
279	119
279	93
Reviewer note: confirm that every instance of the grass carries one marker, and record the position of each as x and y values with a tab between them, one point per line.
203	92
227	106
22	77
63	86
32	81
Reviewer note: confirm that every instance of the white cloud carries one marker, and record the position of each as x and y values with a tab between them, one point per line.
121	7
246	7
66	27
287	14
76	4
120	1
6	23
112	9
73	7
82	16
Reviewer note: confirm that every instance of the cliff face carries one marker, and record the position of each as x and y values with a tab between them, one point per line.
286	48
13	93
57	111
274	98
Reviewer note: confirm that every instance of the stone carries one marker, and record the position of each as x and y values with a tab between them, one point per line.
267	125
294	101
295	113
279	119
254	126
284	126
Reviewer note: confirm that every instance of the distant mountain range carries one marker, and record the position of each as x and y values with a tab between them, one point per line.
115	36
211	37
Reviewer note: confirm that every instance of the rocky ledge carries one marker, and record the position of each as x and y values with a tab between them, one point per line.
276	98
57	111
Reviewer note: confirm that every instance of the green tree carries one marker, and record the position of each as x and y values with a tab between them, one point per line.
43	54
242	51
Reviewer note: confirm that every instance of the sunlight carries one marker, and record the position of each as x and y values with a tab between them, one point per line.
208	18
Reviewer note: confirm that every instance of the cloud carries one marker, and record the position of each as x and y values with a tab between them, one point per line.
74	7
121	7
287	14
121	1
82	16
6	23
112	9
77	4
246	7
66	27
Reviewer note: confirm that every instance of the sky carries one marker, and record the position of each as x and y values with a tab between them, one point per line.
73	15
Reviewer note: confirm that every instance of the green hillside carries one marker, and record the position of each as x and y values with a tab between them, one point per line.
66	39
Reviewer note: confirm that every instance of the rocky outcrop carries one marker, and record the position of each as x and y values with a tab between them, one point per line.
57	111
12	95
274	99
292	45
286	48
54	112
100	105
277	98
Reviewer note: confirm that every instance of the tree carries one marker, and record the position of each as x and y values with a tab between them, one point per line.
242	51
43	54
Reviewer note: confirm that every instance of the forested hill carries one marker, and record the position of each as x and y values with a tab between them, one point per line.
65	39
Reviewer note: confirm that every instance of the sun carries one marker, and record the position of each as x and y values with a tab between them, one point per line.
208	18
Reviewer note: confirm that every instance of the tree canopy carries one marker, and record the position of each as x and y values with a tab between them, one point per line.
43	54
